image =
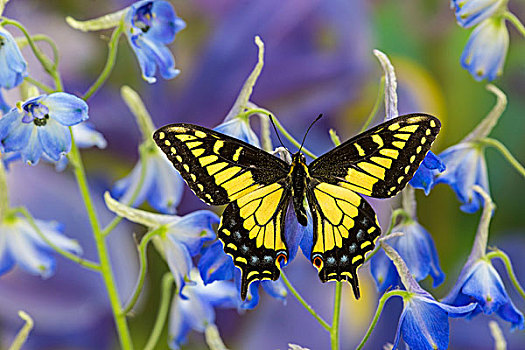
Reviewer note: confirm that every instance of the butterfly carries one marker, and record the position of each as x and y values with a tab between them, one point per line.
259	188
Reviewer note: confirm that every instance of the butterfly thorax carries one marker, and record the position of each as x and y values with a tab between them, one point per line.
299	179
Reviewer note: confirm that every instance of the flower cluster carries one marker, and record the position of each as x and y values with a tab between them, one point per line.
486	50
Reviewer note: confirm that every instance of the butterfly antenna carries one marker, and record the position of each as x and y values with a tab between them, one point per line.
277	133
304	138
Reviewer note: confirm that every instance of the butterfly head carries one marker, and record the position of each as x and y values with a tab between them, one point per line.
298	158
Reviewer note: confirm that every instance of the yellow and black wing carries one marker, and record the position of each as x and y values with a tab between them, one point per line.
224	170
217	167
252	232
377	163
345	228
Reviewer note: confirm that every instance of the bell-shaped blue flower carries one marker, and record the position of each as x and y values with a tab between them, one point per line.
465	167
471	12
417	249
150	26
427	171
160	184
13	67
485	52
423	324
40	126
21	244
481	283
216	265
196	311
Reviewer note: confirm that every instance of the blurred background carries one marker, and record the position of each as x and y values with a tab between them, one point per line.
318	60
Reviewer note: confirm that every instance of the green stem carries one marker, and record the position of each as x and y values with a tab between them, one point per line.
102	249
281	129
83	262
334	330
4	193
117	219
110	62
506	153
299	298
51	43
46	88
47	64
167	282
508	265
515	21
143	246
379	309
377	103
22	335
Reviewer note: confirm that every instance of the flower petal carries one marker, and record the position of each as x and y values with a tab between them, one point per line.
179	261
193	229
55	139
168	186
65	108
32	151
215	264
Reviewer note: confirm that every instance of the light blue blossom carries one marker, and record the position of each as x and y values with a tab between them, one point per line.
425	174
150	26
162	186
40	126
239	127
423	324
481	283
13	67
417	249
216	265
471	12
4	107
466	167
21	244
196	311
486	49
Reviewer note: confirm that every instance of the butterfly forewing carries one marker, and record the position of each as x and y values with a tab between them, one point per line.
252	232
218	168
345	228
380	161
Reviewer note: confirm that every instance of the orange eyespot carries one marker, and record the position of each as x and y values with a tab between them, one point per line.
318	262
281	259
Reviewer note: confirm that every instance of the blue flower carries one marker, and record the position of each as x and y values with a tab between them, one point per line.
150	26
162	185
466	167
239	127
21	244
480	282
423	324
486	49
425	174
13	67
417	249
196	311
216	265
40	126
472	12
184	239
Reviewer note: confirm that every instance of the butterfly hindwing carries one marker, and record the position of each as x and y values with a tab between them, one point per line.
345	228
379	162
217	167
252	232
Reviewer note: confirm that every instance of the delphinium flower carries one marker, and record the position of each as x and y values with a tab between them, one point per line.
426	173
13	67
415	246
485	52
180	240
465	161
196	311
39	126
20	243
479	281
150	26
153	178
216	265
423	323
